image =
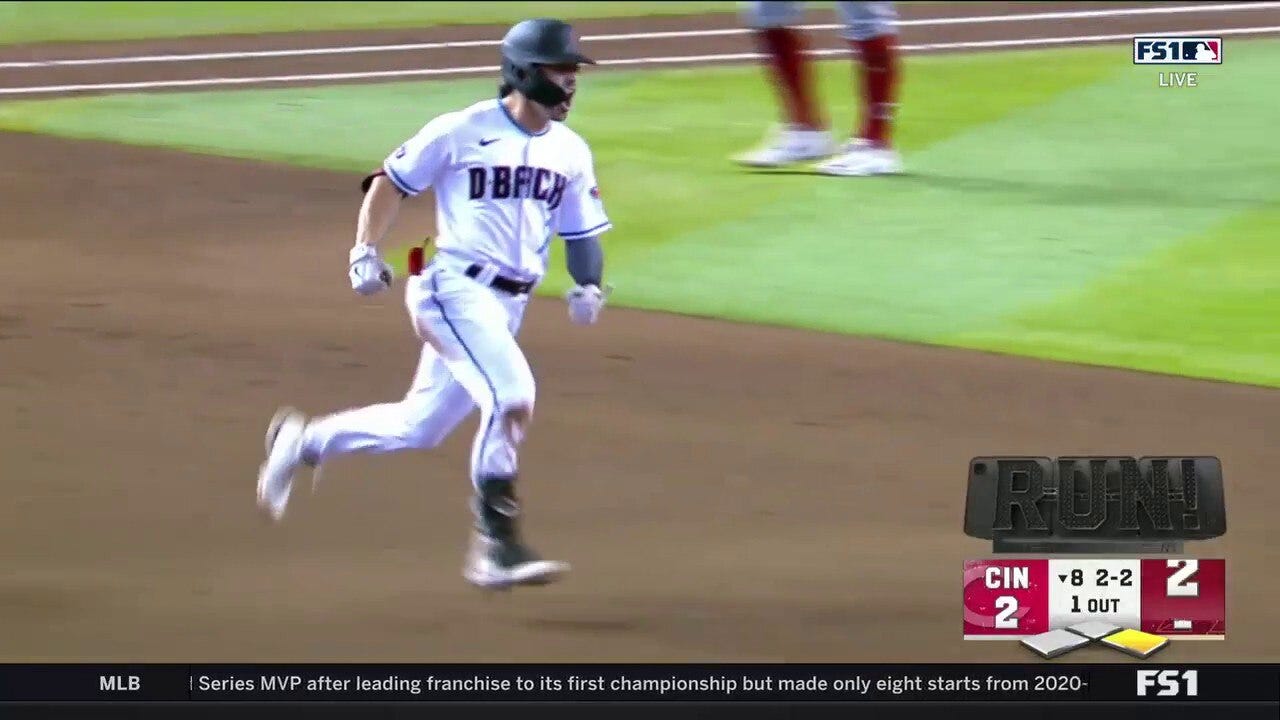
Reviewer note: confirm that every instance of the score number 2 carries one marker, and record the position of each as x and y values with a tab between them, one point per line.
1008	605
1180	582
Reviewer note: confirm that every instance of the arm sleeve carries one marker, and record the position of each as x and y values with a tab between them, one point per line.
585	260
583	215
418	163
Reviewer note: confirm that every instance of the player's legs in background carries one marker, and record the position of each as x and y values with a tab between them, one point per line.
474	328
803	134
788	68
871	29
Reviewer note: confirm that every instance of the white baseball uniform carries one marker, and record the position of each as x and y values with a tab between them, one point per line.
502	194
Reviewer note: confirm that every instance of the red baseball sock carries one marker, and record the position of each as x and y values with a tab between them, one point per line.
878	65
785	48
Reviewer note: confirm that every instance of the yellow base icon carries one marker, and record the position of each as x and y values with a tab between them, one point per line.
1135	642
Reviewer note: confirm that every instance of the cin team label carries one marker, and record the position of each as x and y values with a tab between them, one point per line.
1005	598
1171	597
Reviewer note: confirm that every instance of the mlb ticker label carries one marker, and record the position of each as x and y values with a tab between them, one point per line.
1177	598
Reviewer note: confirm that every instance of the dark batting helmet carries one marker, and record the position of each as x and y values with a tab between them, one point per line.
532	43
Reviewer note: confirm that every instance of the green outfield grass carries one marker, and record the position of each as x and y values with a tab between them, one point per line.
1059	204
23	22
1205	307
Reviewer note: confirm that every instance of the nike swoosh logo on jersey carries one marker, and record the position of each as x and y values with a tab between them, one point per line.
489	142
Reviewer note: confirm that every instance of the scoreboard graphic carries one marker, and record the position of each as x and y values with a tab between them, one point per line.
1174	598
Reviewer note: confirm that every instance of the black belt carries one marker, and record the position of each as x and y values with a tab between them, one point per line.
506	285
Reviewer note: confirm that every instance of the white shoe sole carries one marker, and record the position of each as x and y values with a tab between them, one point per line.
269	441
543	572
884	168
757	163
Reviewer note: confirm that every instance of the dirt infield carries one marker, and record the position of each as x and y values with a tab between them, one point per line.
725	492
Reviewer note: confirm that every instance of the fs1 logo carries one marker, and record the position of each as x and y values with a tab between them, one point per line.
1177	51
1168	683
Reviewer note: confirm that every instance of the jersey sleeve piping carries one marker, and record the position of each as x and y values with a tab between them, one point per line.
590	232
398	181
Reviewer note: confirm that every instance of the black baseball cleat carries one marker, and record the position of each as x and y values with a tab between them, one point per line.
497	558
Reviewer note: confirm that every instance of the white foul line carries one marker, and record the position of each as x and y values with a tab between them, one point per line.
680	59
359	49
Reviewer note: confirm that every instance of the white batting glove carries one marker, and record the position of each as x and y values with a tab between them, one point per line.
585	303
369	274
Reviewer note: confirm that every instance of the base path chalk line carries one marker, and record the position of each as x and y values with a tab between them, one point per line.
406	47
669	60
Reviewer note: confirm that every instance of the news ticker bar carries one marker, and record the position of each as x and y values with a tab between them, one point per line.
637	683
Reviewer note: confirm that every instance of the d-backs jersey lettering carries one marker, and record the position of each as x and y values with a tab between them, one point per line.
501	193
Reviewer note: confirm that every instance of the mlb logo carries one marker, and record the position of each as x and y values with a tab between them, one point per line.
1177	51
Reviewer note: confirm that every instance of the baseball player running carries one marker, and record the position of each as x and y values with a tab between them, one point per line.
871	30
507	176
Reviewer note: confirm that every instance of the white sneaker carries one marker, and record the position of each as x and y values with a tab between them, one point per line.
860	158
284	456
788	144
494	564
